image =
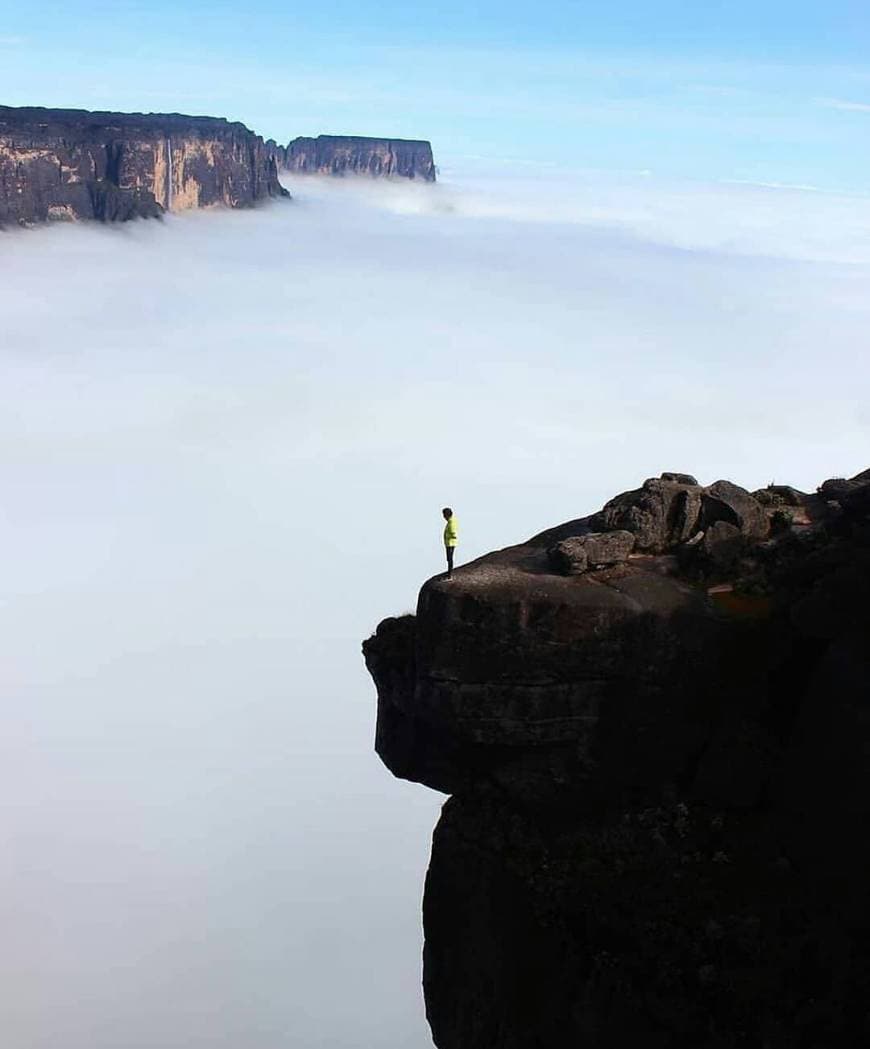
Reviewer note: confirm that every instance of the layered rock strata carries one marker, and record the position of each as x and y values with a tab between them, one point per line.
351	154
660	774
58	164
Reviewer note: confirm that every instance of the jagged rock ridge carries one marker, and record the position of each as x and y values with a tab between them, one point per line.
354	154
72	164
658	833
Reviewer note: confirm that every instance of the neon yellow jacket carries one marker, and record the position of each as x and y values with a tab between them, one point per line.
451	536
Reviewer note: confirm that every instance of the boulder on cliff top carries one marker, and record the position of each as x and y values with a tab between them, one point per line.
578	553
724	501
663	512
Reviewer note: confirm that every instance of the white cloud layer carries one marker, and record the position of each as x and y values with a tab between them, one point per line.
225	440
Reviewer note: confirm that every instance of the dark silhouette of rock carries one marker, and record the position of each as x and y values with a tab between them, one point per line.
722	543
837	485
353	154
68	164
577	553
851	493
661	795
857	501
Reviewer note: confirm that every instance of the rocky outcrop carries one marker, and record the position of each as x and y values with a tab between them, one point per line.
65	164
660	775
672	508
351	154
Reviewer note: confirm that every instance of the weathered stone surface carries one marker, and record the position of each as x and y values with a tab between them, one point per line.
576	554
354	154
679	478
724	501
722	544
64	164
660	514
658	834
664	512
569	555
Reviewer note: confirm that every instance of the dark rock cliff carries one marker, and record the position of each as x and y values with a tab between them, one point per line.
349	154
72	164
655	725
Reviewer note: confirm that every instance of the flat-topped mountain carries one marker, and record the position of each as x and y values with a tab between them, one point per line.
358	155
654	723
74	164
68	164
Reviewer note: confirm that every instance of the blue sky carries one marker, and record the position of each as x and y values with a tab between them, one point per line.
769	92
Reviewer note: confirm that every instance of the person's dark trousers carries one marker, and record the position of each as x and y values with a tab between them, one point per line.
449	550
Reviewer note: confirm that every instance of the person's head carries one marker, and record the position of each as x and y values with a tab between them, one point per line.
448	513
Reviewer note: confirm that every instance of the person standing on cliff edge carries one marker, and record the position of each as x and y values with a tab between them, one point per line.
451	538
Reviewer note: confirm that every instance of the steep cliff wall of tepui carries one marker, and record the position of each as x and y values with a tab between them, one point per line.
654	723
353	154
69	164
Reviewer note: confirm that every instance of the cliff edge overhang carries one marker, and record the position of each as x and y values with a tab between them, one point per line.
597	632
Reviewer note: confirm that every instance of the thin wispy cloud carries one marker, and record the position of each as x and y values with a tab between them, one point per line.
799	186
845	104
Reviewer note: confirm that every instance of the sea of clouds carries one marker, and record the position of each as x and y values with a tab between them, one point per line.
226	439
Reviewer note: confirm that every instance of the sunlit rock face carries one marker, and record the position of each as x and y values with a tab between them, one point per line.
72	164
660	786
350	154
